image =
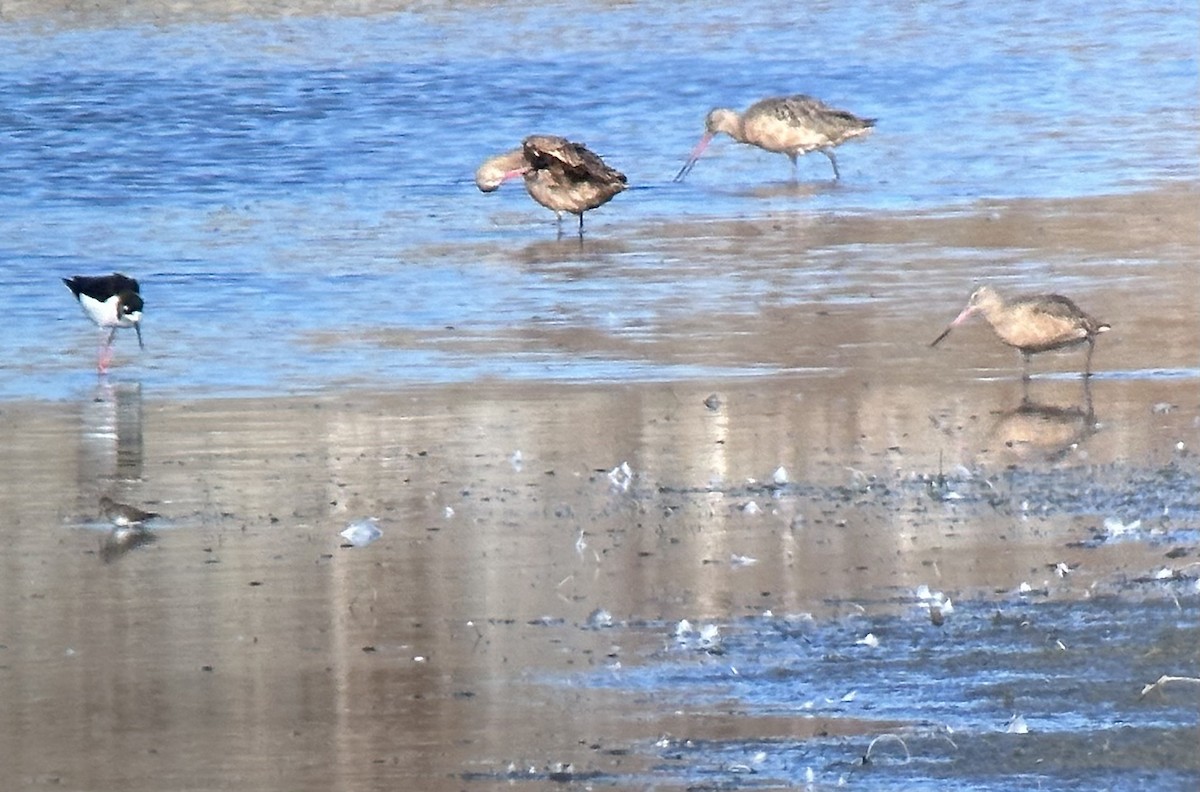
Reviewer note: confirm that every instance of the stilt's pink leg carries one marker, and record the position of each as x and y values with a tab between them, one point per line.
105	358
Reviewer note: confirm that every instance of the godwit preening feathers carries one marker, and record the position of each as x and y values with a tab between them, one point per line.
560	175
791	125
112	302
1032	324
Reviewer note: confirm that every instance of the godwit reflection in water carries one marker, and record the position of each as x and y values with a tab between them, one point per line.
1037	430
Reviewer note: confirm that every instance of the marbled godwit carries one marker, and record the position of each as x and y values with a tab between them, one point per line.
1032	324
560	175
791	125
112	302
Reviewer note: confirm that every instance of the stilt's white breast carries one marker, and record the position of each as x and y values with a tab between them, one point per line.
104	313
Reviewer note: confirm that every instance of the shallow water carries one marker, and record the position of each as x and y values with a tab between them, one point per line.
272	178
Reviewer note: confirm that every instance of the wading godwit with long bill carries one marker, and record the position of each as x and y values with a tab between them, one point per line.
1034	323
791	125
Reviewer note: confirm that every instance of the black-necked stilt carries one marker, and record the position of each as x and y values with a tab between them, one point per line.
111	301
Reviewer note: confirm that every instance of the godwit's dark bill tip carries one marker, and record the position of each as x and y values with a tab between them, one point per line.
945	333
685	170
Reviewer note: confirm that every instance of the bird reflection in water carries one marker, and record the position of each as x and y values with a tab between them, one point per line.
120	540
1038	430
111	444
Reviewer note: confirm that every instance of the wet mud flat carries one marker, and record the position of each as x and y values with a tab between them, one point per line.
521	618
1045	682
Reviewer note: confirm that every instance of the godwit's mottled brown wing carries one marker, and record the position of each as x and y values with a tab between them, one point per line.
811	113
576	161
598	170
543	151
1060	307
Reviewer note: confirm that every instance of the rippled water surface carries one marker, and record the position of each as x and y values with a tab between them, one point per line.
282	186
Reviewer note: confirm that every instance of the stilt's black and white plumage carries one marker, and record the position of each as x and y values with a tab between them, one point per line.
112	302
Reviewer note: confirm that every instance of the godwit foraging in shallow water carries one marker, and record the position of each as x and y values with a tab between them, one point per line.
560	175
1033	324
112	302
791	125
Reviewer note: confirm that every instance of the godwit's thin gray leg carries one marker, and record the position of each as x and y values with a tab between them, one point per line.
833	161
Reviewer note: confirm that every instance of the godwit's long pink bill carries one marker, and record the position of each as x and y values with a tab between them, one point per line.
694	156
967	312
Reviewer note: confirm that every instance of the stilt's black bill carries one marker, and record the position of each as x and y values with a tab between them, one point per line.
138	328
